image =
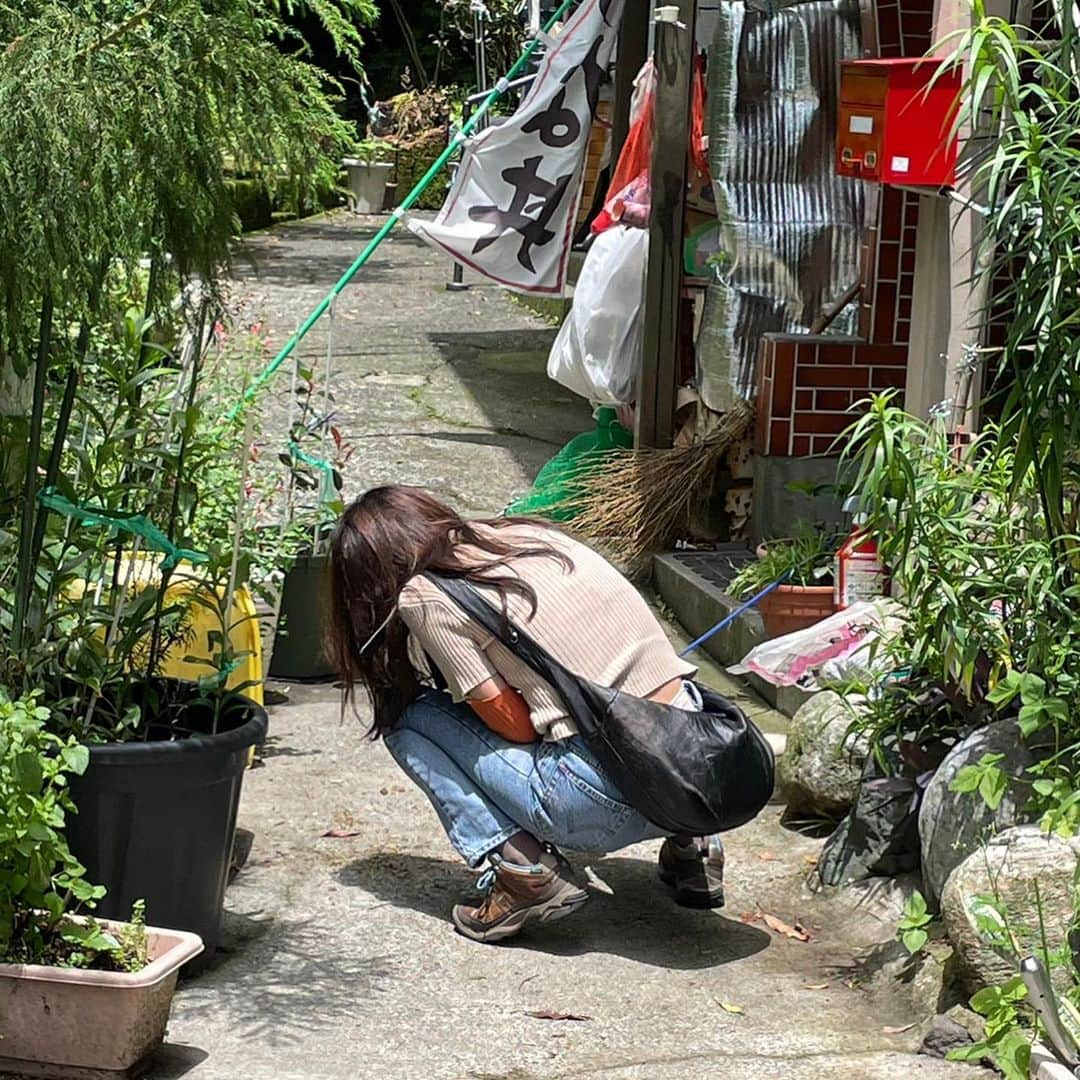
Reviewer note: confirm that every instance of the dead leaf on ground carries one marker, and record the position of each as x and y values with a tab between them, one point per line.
897	1030
815	986
340	834
749	917
547	1014
767	856
796	932
731	1007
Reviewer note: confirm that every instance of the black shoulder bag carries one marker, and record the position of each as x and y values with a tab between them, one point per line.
692	773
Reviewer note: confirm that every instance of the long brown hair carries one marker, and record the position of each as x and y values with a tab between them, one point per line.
383	540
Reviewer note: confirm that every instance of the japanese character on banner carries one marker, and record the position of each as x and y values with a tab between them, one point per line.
511	210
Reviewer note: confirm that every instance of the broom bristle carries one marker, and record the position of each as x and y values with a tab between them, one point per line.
634	503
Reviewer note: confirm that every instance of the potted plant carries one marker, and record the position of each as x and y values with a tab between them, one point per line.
100	415
368	172
98	614
315	456
55	963
804	565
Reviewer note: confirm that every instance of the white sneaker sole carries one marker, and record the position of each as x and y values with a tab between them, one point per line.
563	903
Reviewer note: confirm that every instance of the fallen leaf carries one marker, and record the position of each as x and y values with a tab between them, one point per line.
340	834
730	1007
796	932
749	917
897	1030
815	986
547	1014
766	856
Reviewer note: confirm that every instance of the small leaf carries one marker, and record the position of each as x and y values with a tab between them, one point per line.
966	780
548	1014
76	759
796	932
731	1007
992	787
914	940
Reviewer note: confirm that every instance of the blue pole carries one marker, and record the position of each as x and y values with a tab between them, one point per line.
729	619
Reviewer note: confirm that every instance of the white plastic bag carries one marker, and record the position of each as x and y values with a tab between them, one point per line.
831	651
597	353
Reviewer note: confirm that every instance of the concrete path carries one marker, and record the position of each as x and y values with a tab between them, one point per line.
341	962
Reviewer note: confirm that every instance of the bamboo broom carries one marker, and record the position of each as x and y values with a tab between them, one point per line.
634	503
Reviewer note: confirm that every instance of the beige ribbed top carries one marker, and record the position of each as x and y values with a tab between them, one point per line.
591	619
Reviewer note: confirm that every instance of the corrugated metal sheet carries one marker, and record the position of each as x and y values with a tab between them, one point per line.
791	228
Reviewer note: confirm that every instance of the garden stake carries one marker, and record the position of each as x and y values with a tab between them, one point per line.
174	508
24	578
67	403
437	165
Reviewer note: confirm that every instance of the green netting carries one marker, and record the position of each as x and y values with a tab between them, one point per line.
553	491
133	524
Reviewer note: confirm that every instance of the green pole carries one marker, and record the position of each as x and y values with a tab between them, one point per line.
466	129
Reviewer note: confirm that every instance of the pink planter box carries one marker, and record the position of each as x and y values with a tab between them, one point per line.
57	1022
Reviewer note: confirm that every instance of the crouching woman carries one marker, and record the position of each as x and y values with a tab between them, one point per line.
489	742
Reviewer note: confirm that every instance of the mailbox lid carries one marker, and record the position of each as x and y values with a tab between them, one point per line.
912	103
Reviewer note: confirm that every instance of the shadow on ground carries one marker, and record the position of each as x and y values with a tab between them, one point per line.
276	981
639	922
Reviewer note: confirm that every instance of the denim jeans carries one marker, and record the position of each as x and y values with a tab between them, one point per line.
485	789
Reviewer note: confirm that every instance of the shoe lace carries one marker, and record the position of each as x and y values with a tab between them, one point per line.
487	881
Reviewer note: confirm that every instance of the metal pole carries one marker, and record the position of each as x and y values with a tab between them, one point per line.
457	281
436	167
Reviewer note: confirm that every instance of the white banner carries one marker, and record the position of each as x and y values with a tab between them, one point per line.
511	210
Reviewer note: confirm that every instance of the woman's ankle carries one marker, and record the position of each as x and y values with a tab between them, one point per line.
522	848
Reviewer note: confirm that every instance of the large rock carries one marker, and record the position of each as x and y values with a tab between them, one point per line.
954	824
820	769
1008	867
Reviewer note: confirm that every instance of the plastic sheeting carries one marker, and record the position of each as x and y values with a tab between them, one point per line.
791	228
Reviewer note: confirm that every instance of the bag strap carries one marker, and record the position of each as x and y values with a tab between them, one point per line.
521	644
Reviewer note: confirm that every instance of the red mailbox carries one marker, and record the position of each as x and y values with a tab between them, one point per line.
896	121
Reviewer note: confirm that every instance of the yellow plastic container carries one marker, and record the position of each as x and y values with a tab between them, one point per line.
190	658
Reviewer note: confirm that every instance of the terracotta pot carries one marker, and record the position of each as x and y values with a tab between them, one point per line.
795	607
54	1021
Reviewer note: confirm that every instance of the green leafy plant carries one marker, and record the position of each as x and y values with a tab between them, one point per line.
42	886
805	558
1005	1042
986	777
991	627
371	151
913	924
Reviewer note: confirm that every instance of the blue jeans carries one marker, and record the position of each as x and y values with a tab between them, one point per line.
485	789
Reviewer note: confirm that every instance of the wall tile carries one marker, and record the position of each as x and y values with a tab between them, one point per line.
835	377
780	437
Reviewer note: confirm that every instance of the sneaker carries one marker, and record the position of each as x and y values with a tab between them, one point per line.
696	872
517	895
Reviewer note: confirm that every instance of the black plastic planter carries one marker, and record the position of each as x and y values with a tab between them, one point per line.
156	820
305	607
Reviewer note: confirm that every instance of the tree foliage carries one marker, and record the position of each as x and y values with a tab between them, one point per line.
121	118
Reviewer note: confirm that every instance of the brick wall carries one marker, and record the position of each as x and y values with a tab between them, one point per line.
810	383
806	384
